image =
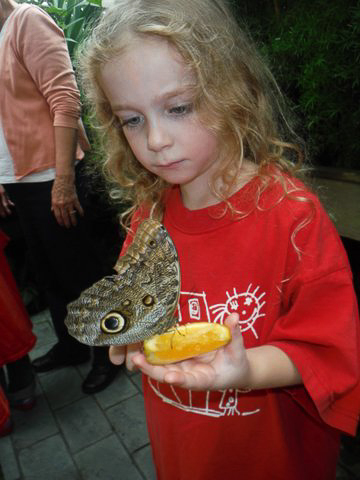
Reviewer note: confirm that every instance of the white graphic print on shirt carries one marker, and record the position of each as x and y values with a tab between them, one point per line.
194	307
246	304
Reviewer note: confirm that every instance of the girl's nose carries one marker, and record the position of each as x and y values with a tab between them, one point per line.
158	138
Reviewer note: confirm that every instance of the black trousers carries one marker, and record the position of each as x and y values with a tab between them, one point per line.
65	260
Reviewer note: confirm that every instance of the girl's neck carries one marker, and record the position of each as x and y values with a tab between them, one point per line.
195	199
199	196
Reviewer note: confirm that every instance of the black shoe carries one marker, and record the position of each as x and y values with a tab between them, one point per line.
54	359
99	377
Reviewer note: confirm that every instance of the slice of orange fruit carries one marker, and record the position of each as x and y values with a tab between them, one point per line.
185	341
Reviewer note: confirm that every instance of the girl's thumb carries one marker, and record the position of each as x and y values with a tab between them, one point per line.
232	322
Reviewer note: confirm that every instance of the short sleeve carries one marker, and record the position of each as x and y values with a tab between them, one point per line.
319	328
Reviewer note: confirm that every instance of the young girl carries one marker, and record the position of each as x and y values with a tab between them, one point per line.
193	138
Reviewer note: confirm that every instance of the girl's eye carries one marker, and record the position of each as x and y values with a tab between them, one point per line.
132	122
181	109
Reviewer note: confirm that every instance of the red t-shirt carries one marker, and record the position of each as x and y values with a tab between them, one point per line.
292	289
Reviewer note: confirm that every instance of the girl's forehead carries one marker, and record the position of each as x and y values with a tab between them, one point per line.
150	65
151	45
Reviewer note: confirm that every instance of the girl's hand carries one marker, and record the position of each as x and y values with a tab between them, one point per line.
119	354
224	368
266	366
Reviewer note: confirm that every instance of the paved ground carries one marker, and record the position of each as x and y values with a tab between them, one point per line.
73	436
70	435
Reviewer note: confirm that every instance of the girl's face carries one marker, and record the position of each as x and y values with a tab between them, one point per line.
150	91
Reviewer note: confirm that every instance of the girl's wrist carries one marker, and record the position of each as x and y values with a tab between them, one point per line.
269	367
246	380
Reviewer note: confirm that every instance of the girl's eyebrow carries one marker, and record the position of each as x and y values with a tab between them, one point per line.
164	96
173	93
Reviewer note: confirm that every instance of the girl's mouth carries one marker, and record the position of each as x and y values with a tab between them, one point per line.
169	165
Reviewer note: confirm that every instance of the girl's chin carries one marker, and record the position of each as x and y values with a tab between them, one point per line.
175	179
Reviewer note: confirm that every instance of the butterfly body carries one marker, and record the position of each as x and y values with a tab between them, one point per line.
139	301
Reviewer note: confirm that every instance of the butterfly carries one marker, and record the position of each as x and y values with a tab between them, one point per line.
136	303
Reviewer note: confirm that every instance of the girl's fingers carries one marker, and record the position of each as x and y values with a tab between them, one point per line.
117	355
175	378
187	374
120	354
161	373
154	371
132	351
232	321
237	343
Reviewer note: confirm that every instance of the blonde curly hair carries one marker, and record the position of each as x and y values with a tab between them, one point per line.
236	95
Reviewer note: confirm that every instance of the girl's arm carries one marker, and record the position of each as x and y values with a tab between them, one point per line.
232	366
49	65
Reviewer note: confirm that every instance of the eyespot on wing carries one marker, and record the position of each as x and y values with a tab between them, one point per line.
113	322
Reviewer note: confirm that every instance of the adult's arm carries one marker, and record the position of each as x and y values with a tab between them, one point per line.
48	62
64	200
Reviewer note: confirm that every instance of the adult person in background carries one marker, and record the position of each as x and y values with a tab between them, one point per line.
40	138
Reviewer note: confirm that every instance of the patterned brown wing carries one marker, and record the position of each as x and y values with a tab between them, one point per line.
138	302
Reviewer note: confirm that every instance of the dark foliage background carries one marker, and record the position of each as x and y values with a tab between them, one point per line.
313	48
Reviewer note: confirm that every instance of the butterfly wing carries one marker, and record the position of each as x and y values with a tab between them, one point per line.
139	301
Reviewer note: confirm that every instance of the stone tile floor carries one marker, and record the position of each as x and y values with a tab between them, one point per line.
73	436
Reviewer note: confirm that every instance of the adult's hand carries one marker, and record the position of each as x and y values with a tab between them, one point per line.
5	203
64	201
